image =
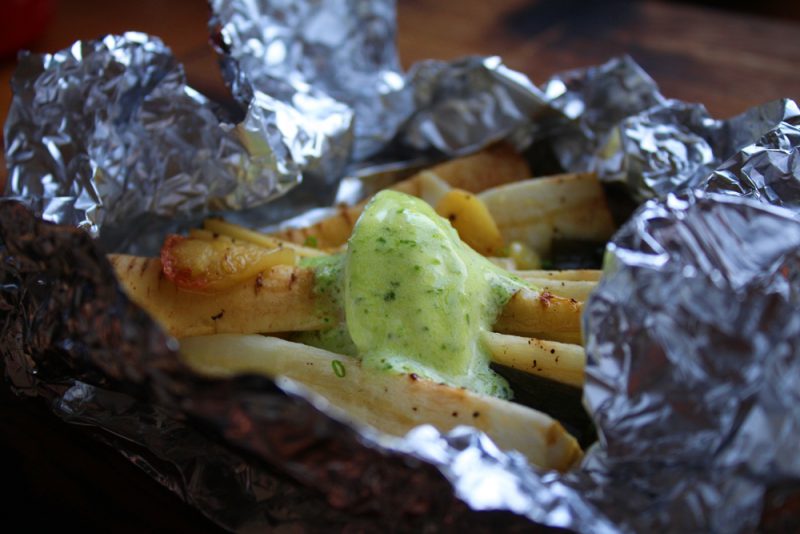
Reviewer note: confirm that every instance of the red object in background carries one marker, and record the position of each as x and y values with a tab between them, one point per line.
22	22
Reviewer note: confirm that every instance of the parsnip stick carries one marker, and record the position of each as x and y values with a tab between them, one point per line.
390	403
531	311
571	289
536	211
572	338
280	299
561	362
218	226
497	165
578	275
331	232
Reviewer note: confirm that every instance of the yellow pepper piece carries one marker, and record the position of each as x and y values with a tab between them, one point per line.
472	220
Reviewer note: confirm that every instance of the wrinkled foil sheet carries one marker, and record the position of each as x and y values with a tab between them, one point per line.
107	135
768	171
445	108
322	58
590	104
466	104
674	145
689	337
111	366
107	132
693	340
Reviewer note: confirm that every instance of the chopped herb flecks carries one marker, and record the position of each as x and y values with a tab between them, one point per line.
338	368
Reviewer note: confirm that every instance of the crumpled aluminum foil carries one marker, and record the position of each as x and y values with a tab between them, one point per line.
449	108
466	104
322	58
767	171
675	145
613	120
108	134
692	340
591	102
689	440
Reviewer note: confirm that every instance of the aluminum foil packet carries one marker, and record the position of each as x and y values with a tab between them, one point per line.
675	145
107	135
690	337
288	461
318	56
693	362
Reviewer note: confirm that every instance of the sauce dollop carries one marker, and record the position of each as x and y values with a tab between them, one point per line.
417	299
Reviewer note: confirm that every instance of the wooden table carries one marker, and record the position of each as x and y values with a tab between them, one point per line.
727	61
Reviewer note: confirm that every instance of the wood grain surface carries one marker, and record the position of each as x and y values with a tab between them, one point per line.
728	61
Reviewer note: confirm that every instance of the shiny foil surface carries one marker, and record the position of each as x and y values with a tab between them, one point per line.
589	103
325	59
767	171
693	362
691	337
278	49
464	105
106	132
675	145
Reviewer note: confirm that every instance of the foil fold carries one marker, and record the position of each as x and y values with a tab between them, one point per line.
767	171
691	339
466	104
106	133
446	108
613	120
674	145
590	103
322	58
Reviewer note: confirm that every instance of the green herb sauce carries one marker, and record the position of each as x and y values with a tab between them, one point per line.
336	339
415	297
